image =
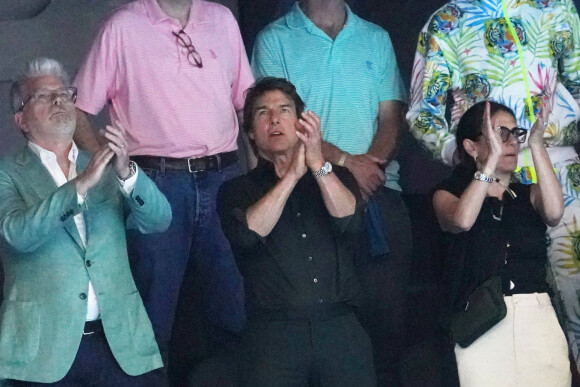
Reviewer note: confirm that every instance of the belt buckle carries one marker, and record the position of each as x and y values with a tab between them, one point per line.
193	169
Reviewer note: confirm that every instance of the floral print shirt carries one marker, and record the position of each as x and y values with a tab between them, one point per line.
467	49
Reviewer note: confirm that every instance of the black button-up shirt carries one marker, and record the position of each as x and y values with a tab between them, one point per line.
308	257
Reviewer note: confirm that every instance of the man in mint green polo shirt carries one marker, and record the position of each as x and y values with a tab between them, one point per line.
345	70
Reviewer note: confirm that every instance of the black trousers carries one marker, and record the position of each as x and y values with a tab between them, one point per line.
334	352
95	365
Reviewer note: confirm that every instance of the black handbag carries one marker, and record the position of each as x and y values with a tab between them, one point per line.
484	308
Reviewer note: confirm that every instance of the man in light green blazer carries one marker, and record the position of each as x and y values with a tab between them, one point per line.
71	313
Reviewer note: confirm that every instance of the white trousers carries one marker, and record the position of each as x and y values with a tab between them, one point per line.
526	349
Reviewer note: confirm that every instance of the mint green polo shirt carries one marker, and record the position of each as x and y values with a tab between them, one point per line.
341	80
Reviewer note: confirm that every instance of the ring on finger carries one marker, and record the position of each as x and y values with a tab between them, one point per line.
122	146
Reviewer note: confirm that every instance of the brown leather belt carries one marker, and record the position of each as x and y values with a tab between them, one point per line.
202	164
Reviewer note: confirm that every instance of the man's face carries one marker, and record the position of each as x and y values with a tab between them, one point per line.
274	124
50	116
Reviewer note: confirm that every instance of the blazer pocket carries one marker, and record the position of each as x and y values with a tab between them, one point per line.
19	332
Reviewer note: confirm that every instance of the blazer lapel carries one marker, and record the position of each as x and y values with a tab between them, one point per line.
39	179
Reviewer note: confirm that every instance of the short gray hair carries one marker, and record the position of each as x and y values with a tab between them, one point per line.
38	67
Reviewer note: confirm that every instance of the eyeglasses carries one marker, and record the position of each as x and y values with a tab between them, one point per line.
184	40
46	96
518	133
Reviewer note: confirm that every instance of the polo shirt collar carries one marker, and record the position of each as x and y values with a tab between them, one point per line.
197	14
296	18
154	11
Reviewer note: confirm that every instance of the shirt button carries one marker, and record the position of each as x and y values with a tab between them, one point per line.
303	236
315	280
298	214
89	263
310	258
320	301
83	296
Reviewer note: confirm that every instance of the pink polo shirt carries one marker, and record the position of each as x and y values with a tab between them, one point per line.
170	107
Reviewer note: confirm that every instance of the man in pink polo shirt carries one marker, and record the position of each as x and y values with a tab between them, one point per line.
174	72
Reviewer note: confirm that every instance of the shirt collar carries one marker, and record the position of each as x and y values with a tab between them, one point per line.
197	14
154	11
296	18
44	154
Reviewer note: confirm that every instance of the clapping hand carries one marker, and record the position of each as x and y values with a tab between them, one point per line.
117	142
493	140
308	131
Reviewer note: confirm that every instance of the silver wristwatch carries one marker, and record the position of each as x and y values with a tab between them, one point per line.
482	177
132	171
325	170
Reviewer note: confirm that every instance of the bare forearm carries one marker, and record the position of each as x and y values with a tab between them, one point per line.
331	152
389	131
456	215
338	199
547	199
85	136
263	215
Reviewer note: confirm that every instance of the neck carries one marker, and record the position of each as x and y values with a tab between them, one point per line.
328	15
177	9
60	148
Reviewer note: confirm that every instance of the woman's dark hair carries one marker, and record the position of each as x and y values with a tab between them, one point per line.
261	87
470	126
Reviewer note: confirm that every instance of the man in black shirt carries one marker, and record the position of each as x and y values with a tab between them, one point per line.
293	223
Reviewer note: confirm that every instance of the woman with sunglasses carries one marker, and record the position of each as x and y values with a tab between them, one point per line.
496	227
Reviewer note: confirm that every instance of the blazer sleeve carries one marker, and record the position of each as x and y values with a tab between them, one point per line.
149	210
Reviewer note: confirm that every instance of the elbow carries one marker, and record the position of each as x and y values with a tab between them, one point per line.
457	225
159	225
461	227
553	219
21	246
163	224
164	218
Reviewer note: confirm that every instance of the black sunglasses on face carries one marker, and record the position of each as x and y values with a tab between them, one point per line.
518	133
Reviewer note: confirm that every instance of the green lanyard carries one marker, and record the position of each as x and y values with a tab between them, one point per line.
514	33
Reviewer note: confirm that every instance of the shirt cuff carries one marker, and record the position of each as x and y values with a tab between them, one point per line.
129	184
81	199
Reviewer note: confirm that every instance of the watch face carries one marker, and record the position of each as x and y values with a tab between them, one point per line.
327	167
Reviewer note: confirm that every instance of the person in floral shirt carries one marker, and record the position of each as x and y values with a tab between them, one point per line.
468	52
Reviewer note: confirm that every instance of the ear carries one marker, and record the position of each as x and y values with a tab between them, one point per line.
19	119
469	146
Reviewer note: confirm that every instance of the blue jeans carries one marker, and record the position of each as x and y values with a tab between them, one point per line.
159	260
